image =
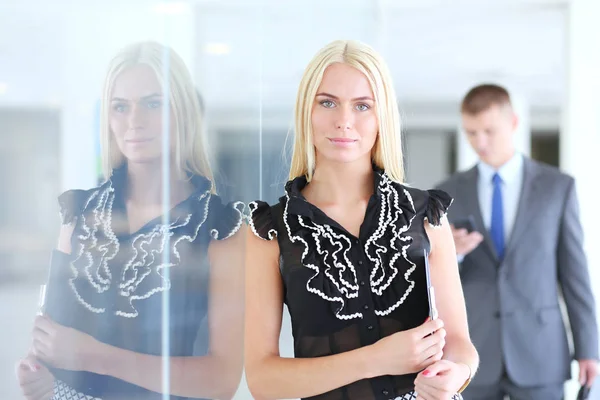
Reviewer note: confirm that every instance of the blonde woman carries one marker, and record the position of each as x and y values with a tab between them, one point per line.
344	250
134	291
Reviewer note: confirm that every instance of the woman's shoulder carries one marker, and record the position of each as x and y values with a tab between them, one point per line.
263	218
225	217
216	215
433	204
73	202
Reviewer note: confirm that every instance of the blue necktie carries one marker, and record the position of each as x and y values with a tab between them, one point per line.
497	227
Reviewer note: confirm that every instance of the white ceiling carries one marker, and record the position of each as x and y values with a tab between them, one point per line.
435	53
436	49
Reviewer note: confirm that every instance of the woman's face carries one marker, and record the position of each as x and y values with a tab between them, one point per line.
135	115
344	115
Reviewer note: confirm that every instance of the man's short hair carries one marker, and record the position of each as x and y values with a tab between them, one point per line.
482	97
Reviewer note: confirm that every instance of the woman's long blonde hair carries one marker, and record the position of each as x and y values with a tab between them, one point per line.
190	151
387	151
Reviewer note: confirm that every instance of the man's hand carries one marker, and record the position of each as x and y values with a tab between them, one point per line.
588	369
464	241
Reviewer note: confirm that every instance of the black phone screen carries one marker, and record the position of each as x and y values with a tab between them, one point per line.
465	223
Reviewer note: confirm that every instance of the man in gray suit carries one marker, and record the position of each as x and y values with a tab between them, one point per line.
523	254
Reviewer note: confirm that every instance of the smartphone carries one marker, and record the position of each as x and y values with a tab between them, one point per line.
433	314
465	223
42	300
584	393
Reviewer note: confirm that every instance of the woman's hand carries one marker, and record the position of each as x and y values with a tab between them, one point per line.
35	381
410	351
64	347
441	380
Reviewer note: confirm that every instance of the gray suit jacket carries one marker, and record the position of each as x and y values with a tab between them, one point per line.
513	305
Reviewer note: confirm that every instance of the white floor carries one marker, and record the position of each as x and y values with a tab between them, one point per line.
18	303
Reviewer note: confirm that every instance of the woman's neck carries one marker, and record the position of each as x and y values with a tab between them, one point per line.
341	183
145	184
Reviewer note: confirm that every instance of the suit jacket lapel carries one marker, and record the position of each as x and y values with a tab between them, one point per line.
524	210
472	203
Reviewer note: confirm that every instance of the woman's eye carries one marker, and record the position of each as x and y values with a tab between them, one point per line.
362	107
120	108
153	104
327	103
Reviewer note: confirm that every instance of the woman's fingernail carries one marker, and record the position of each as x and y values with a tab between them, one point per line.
426	373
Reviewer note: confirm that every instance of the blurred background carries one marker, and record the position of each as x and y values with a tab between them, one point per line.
247	58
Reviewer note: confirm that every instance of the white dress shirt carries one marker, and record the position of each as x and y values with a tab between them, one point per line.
512	181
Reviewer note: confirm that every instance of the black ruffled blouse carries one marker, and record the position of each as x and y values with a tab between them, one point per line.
112	284
345	292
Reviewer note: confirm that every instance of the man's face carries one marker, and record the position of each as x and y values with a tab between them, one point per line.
490	133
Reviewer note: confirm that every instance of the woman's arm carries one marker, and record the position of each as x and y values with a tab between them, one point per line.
64	237
460	359
449	296
35	380
270	376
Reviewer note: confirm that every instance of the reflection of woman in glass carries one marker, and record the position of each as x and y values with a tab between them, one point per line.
344	249
135	291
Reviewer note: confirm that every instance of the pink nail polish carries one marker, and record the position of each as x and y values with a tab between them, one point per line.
426	373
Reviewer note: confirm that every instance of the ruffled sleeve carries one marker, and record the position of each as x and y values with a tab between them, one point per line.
261	220
437	206
225	218
71	204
